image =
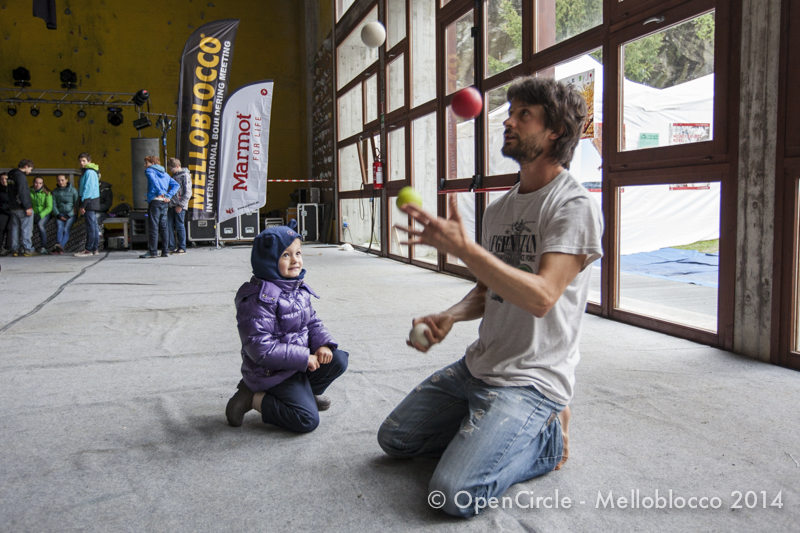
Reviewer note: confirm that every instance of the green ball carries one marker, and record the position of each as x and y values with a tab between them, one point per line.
408	195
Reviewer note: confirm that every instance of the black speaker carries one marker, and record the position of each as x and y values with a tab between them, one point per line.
248	226
202	230
229	230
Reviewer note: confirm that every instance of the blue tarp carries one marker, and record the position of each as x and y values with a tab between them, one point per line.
687	266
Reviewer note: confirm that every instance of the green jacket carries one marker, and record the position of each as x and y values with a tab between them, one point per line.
64	200
42	203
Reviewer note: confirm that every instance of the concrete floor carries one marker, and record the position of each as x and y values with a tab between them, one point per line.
115	372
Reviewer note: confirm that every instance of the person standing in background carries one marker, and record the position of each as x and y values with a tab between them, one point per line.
19	203
65	203
42	201
177	206
5	215
160	189
89	192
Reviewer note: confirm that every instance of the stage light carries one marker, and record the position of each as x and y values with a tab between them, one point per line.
81	113
69	80
22	77
12	110
142	123
57	112
141	97
35	111
115	116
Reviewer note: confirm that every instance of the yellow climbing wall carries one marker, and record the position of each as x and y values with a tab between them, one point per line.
126	46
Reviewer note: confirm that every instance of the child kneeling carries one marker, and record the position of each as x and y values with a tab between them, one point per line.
288	357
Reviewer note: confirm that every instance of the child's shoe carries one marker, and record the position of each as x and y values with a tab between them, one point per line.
239	405
323	402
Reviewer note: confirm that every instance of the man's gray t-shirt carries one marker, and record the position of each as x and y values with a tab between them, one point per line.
514	348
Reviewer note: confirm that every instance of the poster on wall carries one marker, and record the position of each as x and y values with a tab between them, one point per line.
584	83
205	70
244	149
683	133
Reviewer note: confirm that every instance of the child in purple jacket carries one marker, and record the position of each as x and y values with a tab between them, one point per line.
288	357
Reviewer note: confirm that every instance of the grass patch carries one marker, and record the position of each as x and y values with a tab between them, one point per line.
706	247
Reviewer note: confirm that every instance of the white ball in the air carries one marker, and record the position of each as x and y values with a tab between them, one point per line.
417	334
373	34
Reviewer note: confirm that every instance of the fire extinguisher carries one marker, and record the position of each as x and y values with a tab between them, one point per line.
377	174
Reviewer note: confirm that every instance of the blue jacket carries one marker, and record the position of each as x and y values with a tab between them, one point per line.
159	183
89	188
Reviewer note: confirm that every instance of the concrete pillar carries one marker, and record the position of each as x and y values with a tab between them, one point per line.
760	46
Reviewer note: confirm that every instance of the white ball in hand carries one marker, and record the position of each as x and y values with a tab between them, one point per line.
373	34
417	335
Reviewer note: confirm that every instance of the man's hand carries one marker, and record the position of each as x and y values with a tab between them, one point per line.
446	235
165	199
28	212
440	325
178	209
83	211
324	355
313	363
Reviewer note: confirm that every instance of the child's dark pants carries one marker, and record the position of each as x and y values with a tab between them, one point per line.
291	404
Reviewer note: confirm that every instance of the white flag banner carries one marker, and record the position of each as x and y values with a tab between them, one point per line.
244	148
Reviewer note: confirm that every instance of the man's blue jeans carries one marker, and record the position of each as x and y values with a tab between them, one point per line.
157	223
21	223
488	437
175	225
92	231
62	230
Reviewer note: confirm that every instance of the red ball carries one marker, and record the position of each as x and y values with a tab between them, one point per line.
467	103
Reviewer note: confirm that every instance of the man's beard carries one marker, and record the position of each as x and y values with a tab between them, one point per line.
525	151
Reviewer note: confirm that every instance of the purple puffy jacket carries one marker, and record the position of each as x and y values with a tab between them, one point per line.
279	329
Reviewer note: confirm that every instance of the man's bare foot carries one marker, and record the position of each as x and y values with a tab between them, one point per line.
563	417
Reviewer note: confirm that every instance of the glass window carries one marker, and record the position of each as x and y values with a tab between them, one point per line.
585	73
466	208
367	155
397	154
459	54
558	20
349	169
376	140
424	178
504	35
397	236
460	146
395	22
669	252
361	222
353	56
350	113
497	112
341	7
668	86
396	82
371	99
423	51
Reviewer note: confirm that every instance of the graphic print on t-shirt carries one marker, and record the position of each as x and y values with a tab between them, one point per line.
515	247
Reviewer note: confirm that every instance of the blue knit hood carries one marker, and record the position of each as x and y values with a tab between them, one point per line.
267	250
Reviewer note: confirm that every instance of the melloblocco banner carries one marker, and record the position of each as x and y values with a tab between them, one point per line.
205	69
243	153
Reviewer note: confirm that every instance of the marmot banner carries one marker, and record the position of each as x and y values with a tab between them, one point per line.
205	68
243	154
